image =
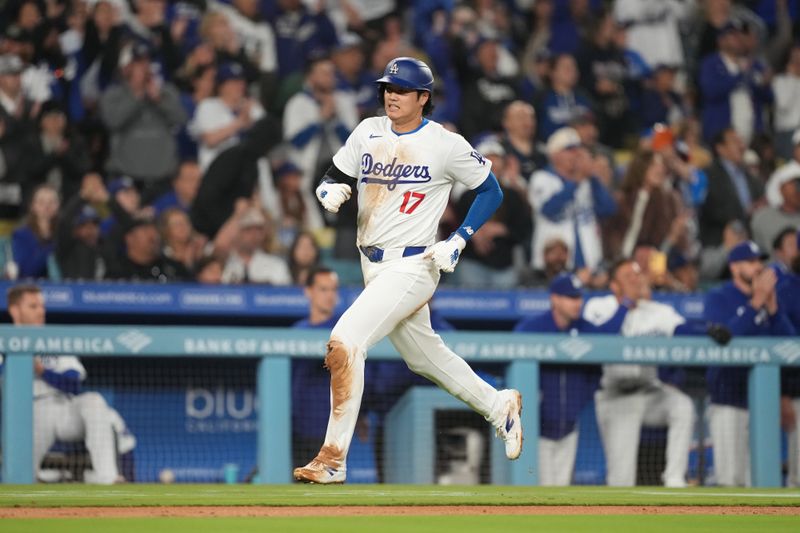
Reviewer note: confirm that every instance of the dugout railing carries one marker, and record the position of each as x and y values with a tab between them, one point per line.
276	347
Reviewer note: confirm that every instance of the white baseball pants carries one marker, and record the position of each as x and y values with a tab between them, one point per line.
620	418
394	302
730	435
557	460
85	417
793	477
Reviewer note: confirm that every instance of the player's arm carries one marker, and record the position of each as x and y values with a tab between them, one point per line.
488	198
335	189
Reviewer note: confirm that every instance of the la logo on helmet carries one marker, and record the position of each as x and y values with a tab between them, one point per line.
394	69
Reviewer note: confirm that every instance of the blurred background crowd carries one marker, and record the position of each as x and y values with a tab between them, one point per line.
180	141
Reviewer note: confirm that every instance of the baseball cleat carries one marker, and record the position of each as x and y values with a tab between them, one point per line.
511	429
318	472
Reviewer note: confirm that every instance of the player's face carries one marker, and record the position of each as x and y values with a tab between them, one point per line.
746	271
29	311
403	106
323	295
568	307
629	282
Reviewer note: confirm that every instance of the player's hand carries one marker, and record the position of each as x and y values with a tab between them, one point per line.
719	333
333	195
445	254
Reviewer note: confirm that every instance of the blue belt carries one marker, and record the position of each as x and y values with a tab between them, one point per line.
375	254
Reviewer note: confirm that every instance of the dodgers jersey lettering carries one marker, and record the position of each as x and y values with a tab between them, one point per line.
404	180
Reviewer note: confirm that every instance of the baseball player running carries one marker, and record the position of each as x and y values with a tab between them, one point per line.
404	166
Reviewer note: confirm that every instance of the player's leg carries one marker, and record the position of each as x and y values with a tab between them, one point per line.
547	461
671	407
742	428
394	290
793	477
99	436
46	413
557	460
426	354
724	424
619	419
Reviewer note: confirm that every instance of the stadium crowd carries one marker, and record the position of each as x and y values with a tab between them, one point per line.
633	139
170	141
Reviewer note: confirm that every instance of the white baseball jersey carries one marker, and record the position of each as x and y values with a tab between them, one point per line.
58	364
404	180
647	319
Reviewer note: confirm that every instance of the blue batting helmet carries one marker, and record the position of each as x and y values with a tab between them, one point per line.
409	73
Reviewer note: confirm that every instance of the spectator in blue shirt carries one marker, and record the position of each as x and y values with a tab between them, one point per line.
564	101
748	306
565	389
32	243
183	191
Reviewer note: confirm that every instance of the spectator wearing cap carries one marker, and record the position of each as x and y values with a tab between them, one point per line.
142	259
124	202
519	138
661	103
770	220
248	262
568	203
748	305
78	248
604	76
489	261
732	193
684	271
734	88
219	121
564	100
184	189
349	60
292	215
486	91
17	114
565	389
32	243
791	167
197	80
57	155
257	41
316	123
650	210
142	113
786	87
784	252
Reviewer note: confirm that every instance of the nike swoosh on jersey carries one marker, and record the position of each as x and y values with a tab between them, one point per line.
373	136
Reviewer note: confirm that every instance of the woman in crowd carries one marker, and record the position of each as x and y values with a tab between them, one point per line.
32	243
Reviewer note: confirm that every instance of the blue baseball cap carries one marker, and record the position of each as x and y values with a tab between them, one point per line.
86	214
119	184
746	251
230	71
567	285
287	167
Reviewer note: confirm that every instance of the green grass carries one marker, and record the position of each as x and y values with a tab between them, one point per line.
405	524
317	495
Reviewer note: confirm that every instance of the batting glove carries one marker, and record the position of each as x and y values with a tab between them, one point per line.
333	195
445	254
